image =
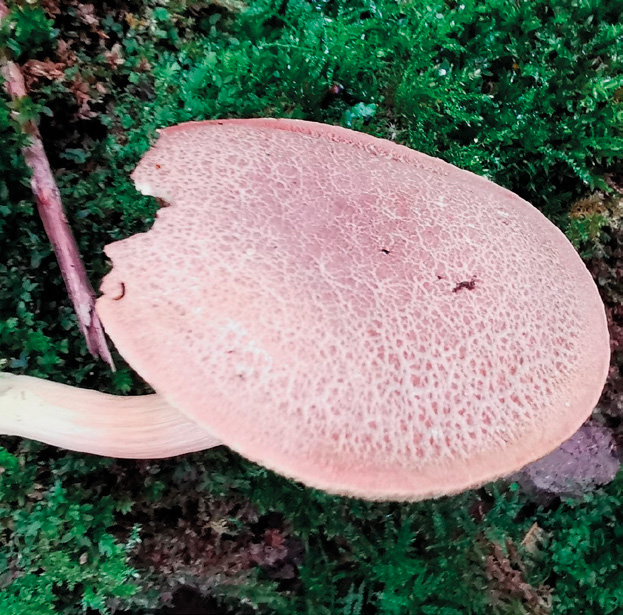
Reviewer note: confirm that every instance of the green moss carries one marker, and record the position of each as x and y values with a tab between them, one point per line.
526	94
58	554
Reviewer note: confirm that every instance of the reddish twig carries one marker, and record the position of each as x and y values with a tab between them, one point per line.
53	217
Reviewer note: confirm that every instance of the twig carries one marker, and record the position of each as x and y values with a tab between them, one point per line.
54	220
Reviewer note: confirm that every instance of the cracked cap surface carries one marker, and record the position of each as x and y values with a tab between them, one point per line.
352	313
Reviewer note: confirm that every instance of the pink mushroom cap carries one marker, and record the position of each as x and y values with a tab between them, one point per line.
351	313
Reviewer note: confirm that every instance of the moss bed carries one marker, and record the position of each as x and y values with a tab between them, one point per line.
528	94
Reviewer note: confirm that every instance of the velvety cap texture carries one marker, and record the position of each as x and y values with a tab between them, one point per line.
351	313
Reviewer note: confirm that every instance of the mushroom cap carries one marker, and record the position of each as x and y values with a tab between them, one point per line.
351	313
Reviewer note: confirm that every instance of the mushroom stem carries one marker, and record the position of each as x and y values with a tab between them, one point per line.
138	427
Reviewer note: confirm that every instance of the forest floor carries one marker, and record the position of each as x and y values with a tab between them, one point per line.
529	95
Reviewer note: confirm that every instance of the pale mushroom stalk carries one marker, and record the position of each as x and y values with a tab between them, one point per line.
87	421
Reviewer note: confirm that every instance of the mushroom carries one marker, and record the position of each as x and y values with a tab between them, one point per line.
351	313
